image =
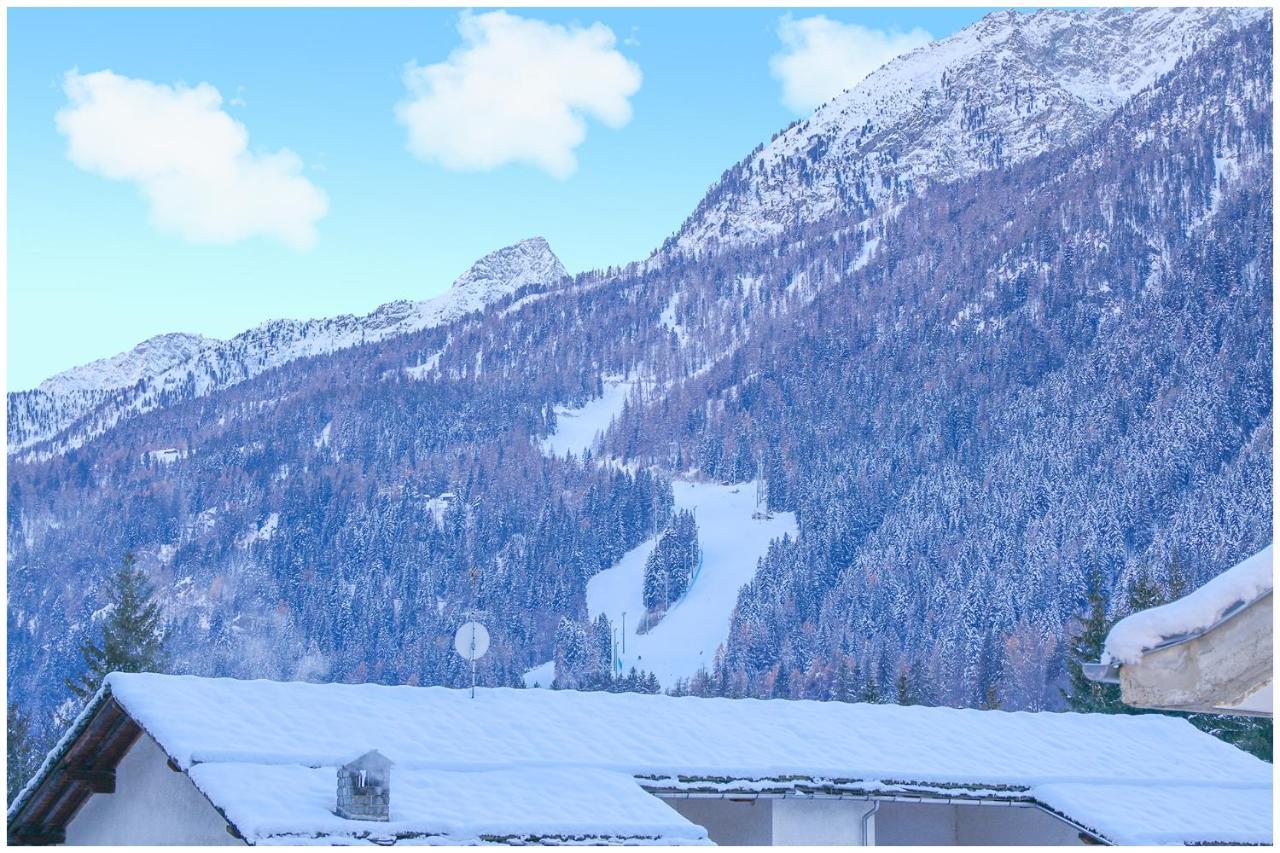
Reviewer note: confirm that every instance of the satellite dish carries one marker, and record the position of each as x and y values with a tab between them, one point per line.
471	641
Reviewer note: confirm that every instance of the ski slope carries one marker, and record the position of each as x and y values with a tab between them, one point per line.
687	637
577	428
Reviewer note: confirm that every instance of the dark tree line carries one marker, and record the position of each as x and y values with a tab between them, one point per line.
670	567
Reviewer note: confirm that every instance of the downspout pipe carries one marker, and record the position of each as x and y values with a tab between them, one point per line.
867	819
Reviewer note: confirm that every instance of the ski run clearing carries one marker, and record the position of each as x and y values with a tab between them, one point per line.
577	428
686	639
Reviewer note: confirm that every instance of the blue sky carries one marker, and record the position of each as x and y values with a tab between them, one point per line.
97	265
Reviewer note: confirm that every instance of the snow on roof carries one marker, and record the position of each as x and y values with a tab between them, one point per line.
1240	585
1165	814
288	804
596	746
271	722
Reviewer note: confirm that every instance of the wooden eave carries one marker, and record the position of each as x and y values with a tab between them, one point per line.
86	765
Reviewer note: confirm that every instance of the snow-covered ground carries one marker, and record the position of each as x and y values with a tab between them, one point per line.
687	637
577	428
541	675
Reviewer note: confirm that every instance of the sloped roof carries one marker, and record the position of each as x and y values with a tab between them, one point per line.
1194	613
590	744
1165	814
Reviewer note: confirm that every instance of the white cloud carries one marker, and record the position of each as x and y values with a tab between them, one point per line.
518	90
821	58
189	158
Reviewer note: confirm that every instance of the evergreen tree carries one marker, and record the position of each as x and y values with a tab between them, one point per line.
870	690
1144	593
1085	647
844	685
669	569
132	639
906	689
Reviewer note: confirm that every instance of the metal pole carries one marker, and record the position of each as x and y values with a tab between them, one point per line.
624	632
473	660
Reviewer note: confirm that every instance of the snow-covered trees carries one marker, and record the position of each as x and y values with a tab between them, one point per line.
671	565
1043	375
584	653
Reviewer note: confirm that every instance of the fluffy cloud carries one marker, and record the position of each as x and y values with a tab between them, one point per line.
516	90
820	57
189	158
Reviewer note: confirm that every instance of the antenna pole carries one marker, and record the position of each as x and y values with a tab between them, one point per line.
475	575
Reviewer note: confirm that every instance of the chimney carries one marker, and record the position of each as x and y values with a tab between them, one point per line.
364	788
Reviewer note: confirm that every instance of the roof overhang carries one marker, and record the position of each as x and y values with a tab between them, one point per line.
1225	668
83	764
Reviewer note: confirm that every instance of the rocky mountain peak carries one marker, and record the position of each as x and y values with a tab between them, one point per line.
527	262
1008	88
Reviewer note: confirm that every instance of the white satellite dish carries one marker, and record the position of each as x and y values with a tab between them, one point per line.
471	641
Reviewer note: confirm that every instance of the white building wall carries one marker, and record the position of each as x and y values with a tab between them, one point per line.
730	822
997	825
916	823
798	821
152	805
776	821
964	825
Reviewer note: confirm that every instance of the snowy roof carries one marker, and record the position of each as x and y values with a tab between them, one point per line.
539	763
1192	614
290	803
560	745
1165	814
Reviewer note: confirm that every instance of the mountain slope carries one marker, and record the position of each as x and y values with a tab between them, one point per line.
1043	374
993	95
169	368
1052	378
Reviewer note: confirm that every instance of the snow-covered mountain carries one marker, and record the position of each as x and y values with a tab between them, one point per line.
181	366
1052	378
1000	92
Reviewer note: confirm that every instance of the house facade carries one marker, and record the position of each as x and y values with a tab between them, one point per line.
158	759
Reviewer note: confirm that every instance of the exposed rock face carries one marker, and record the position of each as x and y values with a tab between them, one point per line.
997	93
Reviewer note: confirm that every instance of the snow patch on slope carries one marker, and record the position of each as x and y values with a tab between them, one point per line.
578	427
693	628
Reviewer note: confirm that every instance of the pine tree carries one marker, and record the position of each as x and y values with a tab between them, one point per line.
870	690
1178	583
906	691
1252	734
132	639
1086	646
844	685
1144	593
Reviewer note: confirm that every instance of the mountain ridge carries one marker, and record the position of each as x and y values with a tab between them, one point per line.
177	361
1005	89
